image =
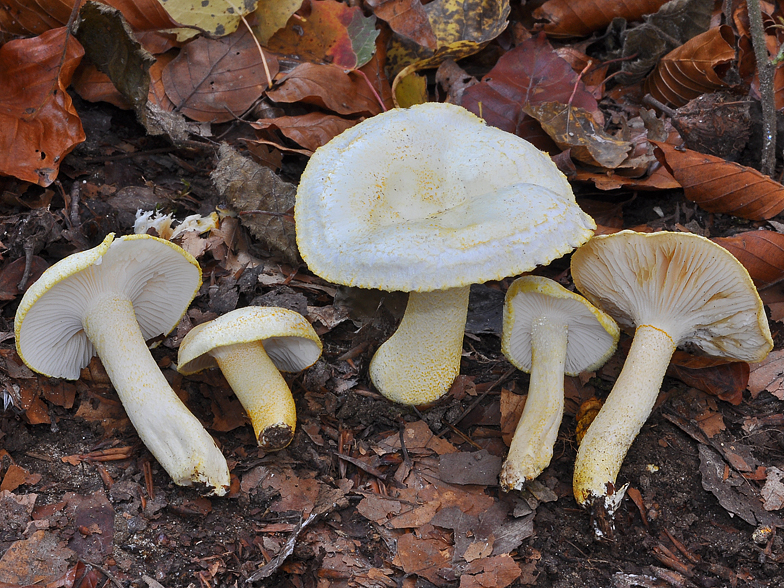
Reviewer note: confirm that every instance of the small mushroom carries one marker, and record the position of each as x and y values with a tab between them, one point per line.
548	332
250	345
430	200
108	301
672	289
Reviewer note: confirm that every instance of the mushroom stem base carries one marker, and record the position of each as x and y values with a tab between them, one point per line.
532	445
261	390
612	432
165	425
418	364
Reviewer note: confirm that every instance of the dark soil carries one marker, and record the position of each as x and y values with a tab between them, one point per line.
681	535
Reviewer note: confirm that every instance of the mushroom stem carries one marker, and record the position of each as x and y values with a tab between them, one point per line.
532	445
418	364
165	425
261	390
627	407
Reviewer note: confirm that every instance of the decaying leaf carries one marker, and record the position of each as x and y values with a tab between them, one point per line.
271	16
33	17
725	379
773	490
574	128
38	123
216	80
760	252
566	18
249	187
408	18
40	559
694	68
722	186
332	33
217	17
310	130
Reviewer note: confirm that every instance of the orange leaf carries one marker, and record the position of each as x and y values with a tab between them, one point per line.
721	186
568	18
327	86
727	380
33	17
760	252
216	80
95	86
693	68
310	130
38	123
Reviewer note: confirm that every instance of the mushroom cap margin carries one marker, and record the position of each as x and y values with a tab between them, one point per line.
288	338
592	334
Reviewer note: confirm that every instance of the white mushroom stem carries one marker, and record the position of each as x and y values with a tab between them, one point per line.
261	390
532	445
629	404
165	425
418	364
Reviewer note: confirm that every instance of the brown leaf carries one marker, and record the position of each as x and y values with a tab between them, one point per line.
660	179
575	129
216	80
33	17
529	74
498	571
768	375
38	560
694	68
512	406
327	86
38	123
407	18
760	252
423	557
15	476
95	86
722	186
567	18
727	380
310	130
11	275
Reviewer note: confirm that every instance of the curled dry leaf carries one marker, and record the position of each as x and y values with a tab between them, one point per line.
718	377
95	86
760	252
694	68
38	123
574	128
310	130
567	18
721	186
216	80
327	86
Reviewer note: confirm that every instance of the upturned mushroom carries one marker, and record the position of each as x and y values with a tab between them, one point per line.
672	289
250	345
108	301
429	200
548	332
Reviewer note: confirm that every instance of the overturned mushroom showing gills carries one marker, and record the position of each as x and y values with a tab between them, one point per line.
250	345
548	332
108	301
430	200
673	289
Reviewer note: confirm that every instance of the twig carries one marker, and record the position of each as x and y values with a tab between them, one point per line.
765	72
108	574
372	89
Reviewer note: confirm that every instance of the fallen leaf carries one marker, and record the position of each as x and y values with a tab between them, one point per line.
479	467
490	572
725	379
417	436
33	17
768	375
310	130
16	476
271	16
717	185
39	560
423	557
566	18
216	80
773	490
760	252
407	18
332	33
85	512
216	17
38	123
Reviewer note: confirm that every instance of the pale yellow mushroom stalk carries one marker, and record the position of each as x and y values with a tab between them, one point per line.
250	345
109	300
548	332
673	289
429	200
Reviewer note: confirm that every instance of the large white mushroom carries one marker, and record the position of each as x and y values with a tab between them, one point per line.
250	345
109	301
548	332
672	289
430	200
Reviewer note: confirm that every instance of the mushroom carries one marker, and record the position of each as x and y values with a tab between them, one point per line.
109	300
674	289
548	332
250	345
430	200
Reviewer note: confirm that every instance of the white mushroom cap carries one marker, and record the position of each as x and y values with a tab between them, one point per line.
592	334
684	284
159	278
287	337
430	198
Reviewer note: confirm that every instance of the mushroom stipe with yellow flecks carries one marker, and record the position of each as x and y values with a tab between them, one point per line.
108	301
250	345
430	200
